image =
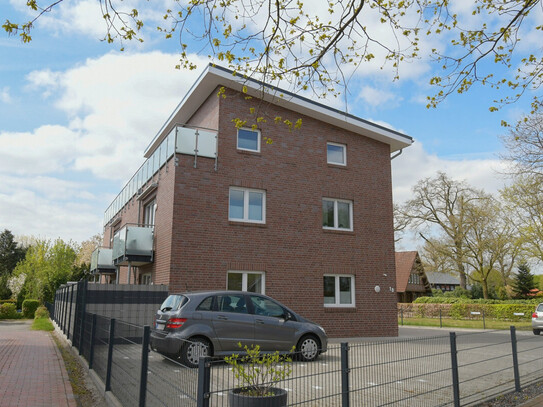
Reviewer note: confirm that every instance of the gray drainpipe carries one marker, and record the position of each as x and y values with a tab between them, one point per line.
396	155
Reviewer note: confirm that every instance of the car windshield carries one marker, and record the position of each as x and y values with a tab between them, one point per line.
173	302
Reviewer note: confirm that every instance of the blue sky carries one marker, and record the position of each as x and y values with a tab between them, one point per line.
76	115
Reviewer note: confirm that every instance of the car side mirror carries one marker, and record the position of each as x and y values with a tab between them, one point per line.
288	316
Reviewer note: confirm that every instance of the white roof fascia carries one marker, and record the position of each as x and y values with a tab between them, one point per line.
214	76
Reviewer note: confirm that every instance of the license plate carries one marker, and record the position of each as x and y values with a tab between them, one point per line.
159	327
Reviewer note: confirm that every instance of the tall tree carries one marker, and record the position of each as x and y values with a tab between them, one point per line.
524	281
525	199
317	46
442	203
10	254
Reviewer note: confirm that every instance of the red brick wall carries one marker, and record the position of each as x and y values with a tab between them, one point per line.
292	248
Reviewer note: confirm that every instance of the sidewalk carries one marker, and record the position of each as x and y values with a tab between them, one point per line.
32	371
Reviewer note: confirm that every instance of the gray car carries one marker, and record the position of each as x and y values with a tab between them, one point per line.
537	319
213	323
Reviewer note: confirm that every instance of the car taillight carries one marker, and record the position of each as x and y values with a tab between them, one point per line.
175	322
534	315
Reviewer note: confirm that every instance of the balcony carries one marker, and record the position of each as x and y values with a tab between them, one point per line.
102	261
133	245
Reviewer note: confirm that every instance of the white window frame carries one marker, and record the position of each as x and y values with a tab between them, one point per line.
146	279
344	146
258	138
246	192
336	214
337	303
149	213
244	279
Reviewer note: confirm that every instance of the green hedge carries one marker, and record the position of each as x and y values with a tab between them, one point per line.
464	311
8	302
457	300
30	307
9	311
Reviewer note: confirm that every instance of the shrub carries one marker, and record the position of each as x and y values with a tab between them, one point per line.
41	312
9	311
7	302
30	307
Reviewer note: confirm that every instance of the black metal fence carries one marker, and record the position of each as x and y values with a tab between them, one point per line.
456	369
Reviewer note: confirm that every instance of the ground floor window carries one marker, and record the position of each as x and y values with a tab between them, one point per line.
338	290
146	279
252	281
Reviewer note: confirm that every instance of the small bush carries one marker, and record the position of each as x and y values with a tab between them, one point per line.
9	311
7	302
41	312
30	307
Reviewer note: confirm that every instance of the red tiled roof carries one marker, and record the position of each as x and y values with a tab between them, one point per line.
404	265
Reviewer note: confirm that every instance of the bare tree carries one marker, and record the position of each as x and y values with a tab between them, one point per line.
441	204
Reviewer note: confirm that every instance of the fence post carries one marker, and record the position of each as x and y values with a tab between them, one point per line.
204	381
401	314
515	357
92	336
345	374
110	353
64	305
144	364
454	366
70	313
440	320
81	333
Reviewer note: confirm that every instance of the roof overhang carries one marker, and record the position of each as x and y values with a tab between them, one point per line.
214	76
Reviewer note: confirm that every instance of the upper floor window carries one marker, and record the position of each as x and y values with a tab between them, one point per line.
247	205
337	214
149	212
249	140
336	153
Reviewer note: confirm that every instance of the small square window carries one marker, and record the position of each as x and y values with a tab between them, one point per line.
336	153
337	214
338	291
252	281
247	205
249	140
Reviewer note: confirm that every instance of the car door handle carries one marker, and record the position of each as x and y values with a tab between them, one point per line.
259	321
222	318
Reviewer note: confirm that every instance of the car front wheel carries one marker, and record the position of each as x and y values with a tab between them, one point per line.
193	349
308	348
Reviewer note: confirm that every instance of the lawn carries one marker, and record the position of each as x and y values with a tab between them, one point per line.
42	324
470	324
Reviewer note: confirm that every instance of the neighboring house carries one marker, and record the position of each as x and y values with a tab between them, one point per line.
442	281
303	215
411	280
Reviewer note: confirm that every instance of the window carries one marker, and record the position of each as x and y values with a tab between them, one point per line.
414	278
337	214
149	213
338	291
247	205
336	153
267	307
232	303
146	279
246	281
249	140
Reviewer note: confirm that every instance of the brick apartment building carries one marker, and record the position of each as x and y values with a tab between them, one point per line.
302	215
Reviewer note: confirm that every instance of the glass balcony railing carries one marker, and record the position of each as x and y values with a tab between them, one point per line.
133	245
102	261
195	141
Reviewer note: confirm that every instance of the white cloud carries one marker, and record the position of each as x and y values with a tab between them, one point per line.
377	97
4	95
48	149
415	164
116	103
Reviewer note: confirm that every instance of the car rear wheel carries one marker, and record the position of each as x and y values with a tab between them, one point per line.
308	348
193	349
537	331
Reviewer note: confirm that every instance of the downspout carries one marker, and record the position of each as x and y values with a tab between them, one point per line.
397	154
